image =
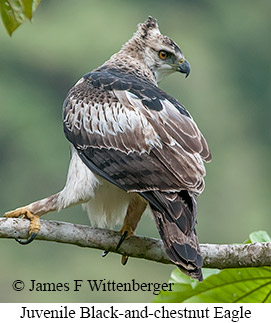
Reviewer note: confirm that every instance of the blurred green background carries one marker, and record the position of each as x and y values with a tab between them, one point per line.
227	93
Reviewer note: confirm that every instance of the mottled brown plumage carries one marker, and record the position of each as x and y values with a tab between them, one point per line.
142	140
133	140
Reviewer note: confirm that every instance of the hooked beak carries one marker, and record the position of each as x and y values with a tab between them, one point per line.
184	67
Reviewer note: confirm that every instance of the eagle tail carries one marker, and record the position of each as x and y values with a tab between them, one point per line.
175	217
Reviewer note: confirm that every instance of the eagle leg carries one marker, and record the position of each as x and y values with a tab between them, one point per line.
134	212
34	222
33	212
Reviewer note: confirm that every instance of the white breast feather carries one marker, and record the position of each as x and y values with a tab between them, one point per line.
104	202
80	185
109	205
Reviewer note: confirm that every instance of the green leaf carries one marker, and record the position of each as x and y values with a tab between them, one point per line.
27	7
242	285
182	284
259	236
35	4
15	12
179	277
11	14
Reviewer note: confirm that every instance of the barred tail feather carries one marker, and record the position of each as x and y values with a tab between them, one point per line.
175	219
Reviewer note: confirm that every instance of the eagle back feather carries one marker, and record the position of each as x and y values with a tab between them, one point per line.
132	130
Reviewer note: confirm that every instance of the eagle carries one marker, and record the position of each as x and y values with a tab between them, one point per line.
133	147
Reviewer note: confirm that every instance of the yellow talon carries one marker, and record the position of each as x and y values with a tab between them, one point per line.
126	232
34	222
124	260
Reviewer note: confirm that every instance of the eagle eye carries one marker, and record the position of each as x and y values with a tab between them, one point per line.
163	54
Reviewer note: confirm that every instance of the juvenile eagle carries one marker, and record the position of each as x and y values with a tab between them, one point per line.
133	146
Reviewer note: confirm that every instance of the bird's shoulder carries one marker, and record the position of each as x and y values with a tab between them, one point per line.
100	86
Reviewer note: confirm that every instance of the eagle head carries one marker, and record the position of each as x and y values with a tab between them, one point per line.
160	53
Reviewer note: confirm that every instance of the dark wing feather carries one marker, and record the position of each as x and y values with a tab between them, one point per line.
124	138
140	139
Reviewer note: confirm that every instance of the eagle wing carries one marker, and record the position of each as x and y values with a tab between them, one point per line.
134	135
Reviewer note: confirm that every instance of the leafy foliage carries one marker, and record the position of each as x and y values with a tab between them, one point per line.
259	236
245	285
238	285
15	12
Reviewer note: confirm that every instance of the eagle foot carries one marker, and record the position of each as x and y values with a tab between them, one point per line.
122	238
124	260
125	234
105	253
34	222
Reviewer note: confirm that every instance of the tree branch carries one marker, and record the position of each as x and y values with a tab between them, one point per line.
214	256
